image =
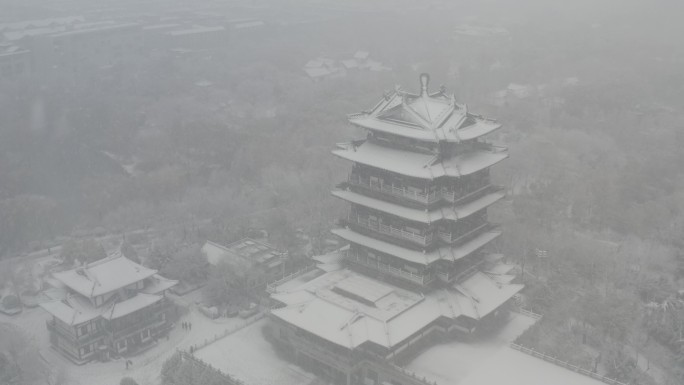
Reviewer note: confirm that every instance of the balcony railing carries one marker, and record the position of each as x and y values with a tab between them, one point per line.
450	196
423	240
401	192
69	335
422	279
313	349
150	320
138	326
272	287
454	276
454	238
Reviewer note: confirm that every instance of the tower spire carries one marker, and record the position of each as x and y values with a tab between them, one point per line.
424	82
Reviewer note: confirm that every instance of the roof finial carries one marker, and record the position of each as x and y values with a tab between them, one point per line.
424	81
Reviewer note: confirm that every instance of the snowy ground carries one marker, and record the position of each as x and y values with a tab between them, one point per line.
247	356
490	360
512	367
451	362
146	366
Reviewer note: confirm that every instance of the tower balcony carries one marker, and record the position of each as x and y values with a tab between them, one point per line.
396	191
458	198
373	264
69	334
420	239
454	238
457	275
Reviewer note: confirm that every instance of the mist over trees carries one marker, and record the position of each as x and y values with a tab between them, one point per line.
595	173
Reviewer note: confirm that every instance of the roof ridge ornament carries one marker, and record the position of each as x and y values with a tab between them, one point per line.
424	83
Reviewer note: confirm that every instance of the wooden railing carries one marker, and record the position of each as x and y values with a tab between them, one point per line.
423	240
529	313
396	372
421	279
449	237
312	349
451	277
68	334
399	191
138	326
235	328
226	379
273	286
451	195
566	365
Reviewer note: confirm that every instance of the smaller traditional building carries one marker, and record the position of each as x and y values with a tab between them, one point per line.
113	306
248	254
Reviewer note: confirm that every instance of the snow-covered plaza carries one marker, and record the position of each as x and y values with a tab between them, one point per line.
489	360
247	356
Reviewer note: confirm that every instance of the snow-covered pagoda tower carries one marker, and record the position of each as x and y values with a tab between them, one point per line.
419	189
417	261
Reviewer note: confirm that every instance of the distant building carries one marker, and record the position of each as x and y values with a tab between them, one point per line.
258	257
15	62
243	25
42	23
111	307
197	36
85	49
325	68
479	32
417	262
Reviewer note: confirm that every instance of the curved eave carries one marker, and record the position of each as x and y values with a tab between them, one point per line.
422	166
417	215
480	128
401	162
471	163
414	131
388	248
407	130
469	247
447	253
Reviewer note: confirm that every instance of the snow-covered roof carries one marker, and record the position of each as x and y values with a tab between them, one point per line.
246	249
361	55
350	63
74	310
71	311
349	309
481	294
426	116
500	269
198	29
248	24
96	29
120	309
316	72
418	215
419	165
104	276
47	22
331	261
415	256
158	284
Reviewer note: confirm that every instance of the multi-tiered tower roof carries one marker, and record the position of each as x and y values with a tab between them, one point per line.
419	188
417	230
